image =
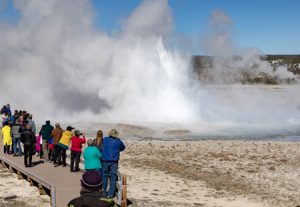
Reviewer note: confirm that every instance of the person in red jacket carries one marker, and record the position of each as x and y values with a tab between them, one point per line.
76	147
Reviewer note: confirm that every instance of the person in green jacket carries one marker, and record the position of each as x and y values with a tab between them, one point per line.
92	157
45	132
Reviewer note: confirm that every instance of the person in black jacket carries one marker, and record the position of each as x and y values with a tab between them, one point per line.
90	194
28	139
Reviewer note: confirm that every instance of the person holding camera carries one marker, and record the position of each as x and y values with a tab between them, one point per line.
76	147
112	146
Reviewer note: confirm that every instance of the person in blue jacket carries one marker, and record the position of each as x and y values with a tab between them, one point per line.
112	146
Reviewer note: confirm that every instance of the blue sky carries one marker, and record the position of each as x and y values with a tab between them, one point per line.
271	25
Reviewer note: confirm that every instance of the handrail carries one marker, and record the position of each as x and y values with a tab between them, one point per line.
121	194
31	176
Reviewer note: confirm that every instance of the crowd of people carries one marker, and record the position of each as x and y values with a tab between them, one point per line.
101	156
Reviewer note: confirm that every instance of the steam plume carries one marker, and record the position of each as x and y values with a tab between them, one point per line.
56	64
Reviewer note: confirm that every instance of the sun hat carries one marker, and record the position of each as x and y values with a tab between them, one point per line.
113	133
91	180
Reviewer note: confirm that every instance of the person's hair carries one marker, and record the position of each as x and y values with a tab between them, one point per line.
99	138
28	126
25	116
90	142
17	122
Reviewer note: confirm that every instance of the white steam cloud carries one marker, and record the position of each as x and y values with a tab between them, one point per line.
56	64
231	62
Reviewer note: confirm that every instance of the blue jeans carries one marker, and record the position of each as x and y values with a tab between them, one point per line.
110	169
17	146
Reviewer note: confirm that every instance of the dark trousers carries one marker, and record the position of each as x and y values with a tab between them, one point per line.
28	149
75	157
41	151
6	149
62	156
55	153
50	151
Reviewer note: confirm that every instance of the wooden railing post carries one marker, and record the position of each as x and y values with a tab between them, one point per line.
124	191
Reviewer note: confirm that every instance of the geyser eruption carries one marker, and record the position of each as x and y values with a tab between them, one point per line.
56	63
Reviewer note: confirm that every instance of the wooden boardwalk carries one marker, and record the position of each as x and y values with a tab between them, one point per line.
65	184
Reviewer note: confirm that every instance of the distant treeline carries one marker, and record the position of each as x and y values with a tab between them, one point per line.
292	62
287	59
203	64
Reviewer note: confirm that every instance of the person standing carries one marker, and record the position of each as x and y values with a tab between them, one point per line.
76	147
6	110
39	147
56	134
92	158
99	140
64	143
50	149
4	119
6	136
45	132
16	115
31	123
16	138
28	139
112	146
22	128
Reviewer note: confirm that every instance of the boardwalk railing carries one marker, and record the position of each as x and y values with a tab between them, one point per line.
22	173
47	188
121	194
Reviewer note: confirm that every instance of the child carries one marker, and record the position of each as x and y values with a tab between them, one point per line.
50	149
38	146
